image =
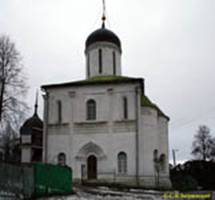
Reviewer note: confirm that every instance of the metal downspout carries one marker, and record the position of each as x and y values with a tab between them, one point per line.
137	134
45	132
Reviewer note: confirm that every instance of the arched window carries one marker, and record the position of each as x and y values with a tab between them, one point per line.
122	163
91	109
163	162
159	161
61	159
155	155
125	108
1	156
59	111
114	63
88	65
100	61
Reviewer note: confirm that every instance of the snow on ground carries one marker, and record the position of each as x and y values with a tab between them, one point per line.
103	193
84	196
6	195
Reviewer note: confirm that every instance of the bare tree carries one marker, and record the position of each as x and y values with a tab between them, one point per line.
10	144
203	146
12	82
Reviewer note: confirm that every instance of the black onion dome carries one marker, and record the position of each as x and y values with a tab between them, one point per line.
30	124
103	35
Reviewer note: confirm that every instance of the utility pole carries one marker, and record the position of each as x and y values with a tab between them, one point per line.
174	156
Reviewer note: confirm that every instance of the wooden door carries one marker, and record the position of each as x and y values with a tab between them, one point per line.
92	167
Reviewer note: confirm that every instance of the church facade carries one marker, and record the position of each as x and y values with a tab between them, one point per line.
104	127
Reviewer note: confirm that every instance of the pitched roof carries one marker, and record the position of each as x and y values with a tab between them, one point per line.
146	102
95	81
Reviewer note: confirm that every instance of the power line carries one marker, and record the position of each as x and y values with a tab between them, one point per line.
190	121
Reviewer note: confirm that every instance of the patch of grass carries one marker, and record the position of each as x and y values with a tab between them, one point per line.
109	78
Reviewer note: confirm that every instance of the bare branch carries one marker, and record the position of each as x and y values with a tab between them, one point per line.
203	145
12	82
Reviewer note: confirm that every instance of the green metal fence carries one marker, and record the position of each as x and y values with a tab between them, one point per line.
51	179
35	180
16	180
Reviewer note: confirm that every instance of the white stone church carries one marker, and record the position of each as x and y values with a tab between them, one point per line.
104	127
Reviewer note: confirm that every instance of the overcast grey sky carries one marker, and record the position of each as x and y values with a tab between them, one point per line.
170	43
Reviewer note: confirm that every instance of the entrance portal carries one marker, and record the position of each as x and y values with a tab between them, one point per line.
92	167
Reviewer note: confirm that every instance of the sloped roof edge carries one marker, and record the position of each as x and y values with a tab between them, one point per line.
146	102
95	81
